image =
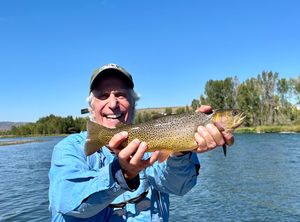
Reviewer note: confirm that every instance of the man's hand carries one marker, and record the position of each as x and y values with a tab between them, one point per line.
210	136
131	157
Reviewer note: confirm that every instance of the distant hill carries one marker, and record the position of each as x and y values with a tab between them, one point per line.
7	125
159	109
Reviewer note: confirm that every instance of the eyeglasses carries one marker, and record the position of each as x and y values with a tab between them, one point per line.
134	200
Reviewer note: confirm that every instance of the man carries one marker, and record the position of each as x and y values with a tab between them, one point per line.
120	183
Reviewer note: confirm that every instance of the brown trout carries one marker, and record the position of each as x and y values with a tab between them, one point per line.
174	133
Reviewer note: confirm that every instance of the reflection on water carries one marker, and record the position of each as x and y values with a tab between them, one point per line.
259	180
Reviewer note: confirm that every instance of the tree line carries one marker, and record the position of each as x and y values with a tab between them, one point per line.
266	100
49	125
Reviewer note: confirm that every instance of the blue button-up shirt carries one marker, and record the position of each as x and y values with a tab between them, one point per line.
81	187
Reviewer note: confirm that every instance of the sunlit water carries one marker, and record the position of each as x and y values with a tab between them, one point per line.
259	180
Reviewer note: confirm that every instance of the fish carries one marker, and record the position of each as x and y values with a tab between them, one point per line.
168	134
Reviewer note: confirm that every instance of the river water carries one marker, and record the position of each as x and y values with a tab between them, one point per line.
259	180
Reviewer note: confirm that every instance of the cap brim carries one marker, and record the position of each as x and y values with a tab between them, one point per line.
111	69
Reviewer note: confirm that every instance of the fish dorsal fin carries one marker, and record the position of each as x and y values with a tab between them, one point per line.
92	143
164	155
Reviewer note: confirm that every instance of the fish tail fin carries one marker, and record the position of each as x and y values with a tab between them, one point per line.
93	143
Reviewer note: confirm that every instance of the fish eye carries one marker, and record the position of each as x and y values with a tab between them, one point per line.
235	112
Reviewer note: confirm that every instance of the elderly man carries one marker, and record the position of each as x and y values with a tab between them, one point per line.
120	183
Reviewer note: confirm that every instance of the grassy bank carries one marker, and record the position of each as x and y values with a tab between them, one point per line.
35	135
16	142
22	141
270	129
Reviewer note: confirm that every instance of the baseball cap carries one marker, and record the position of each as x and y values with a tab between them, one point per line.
110	69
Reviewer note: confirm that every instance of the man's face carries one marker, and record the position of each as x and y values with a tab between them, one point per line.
113	103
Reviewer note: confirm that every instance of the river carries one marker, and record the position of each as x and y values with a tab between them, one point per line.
259	180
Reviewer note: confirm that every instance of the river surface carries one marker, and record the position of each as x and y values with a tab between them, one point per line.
259	180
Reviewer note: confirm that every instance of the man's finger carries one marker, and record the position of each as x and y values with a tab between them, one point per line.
154	157
129	150
216	134
228	137
205	109
207	137
117	139
202	147
138	156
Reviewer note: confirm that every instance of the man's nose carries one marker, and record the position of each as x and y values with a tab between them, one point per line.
113	101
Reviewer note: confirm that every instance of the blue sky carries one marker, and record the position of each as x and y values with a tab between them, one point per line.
49	48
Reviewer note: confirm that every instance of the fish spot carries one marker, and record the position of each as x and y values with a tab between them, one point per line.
135	128
162	124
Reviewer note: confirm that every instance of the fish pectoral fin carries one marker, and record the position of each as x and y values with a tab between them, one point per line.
164	155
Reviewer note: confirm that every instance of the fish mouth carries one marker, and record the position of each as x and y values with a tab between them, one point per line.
239	119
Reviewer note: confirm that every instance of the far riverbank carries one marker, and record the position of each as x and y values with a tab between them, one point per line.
16	142
6	140
270	129
32	135
258	129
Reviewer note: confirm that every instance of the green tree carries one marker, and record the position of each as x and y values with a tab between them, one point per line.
168	111
248	99
213	91
195	104
228	93
297	88
180	110
284	112
80	124
219	93
267	81
203	101
282	89
146	116
138	118
187	109
51	125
